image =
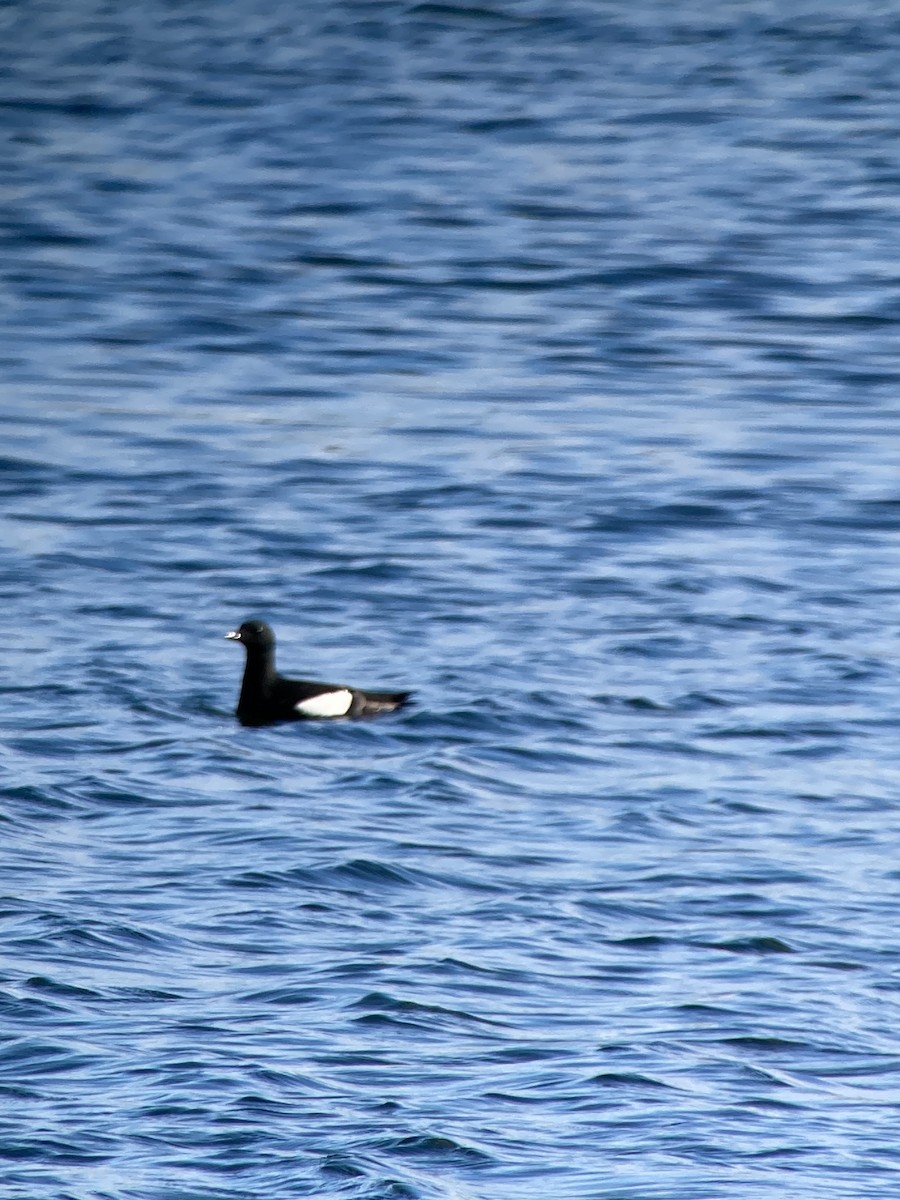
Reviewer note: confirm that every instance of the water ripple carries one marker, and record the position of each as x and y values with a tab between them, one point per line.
543	363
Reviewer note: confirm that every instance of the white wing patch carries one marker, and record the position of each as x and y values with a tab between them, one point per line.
328	704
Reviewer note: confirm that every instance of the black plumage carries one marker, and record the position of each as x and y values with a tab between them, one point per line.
268	697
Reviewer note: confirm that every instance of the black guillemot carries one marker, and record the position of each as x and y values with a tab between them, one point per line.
267	697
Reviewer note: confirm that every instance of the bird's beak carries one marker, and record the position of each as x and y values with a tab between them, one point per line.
234	634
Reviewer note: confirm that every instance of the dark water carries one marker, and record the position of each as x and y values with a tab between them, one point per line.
543	358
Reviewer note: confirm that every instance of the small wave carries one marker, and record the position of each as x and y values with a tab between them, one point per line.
434	1149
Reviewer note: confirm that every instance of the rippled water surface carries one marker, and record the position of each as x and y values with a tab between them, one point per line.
542	358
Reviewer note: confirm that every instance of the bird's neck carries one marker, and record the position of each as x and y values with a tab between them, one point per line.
259	670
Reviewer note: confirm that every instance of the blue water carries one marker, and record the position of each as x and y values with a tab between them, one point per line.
541	358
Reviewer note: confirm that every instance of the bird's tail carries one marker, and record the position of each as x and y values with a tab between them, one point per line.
381	702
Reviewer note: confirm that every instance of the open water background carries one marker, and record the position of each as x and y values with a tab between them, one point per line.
543	358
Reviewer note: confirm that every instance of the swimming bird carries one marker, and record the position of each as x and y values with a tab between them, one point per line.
267	697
